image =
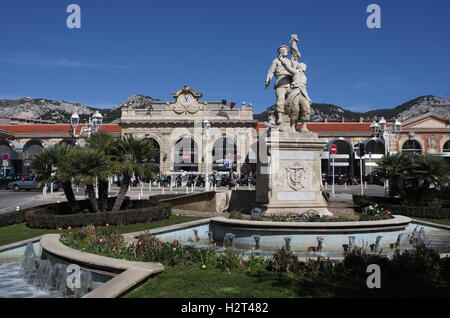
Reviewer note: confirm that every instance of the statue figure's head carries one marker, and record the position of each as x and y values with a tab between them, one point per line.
294	37
302	67
283	50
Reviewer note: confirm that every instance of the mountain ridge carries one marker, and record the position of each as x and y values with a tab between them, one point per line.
60	111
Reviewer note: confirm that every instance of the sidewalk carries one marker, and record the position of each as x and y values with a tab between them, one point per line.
341	205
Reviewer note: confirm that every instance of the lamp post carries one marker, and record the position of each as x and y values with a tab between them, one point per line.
380	132
91	127
206	126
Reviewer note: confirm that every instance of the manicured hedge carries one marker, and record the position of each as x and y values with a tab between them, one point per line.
44	219
392	205
16	217
62	208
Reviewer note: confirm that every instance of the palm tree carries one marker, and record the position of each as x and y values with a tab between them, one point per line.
433	171
134	157
397	170
87	164
104	143
53	157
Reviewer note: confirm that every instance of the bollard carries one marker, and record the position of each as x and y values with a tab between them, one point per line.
163	190
365	185
345	185
17	208
187	190
326	185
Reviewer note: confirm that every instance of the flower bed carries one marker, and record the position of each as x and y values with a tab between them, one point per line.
422	262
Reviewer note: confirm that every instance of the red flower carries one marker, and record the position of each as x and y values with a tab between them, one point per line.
175	241
243	264
82	241
385	211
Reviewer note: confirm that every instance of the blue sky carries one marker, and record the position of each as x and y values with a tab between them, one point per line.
223	49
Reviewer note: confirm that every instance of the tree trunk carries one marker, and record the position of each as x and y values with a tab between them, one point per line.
68	191
92	198
122	192
103	193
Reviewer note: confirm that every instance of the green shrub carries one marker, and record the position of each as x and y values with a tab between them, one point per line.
44	219
229	261
255	265
285	261
393	205
356	261
419	262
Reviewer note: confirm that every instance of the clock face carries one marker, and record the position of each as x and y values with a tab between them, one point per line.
186	100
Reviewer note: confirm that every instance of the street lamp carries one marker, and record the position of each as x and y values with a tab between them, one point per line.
381	133
91	127
206	126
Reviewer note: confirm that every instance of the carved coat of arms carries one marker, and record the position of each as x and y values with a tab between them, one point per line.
295	176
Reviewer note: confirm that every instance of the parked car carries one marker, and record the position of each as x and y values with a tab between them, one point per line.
30	182
10	178
373	178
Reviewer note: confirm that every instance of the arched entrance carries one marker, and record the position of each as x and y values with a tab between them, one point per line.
185	155
412	147
30	149
14	151
157	159
343	161
224	153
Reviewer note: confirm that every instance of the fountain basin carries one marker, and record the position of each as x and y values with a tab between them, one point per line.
304	236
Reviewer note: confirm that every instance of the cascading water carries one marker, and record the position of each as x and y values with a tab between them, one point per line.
41	274
228	241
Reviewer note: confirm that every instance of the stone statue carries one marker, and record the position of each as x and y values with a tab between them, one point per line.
292	98
432	144
283	81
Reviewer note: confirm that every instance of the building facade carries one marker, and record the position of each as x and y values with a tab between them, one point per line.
194	135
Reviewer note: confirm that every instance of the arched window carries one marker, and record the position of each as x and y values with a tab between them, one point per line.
412	146
185	155
447	146
224	149
155	144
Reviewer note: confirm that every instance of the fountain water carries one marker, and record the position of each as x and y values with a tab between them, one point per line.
257	239
53	278
287	243
374	247
197	238
210	237
228	241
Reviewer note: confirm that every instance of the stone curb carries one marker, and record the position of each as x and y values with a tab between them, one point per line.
131	272
131	237
398	220
441	226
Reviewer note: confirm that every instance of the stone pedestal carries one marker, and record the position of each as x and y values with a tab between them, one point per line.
289	179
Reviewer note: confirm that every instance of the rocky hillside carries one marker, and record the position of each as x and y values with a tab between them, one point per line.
412	108
136	101
60	111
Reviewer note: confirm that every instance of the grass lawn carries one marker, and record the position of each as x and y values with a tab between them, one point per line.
438	221
192	282
18	232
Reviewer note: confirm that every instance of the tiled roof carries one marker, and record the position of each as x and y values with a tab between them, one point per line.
330	127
